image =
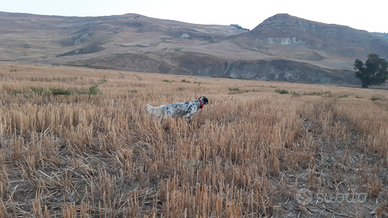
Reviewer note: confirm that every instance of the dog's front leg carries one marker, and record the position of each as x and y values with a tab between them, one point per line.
188	119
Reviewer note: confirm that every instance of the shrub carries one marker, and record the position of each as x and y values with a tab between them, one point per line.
60	91
283	91
185	81
94	90
234	89
104	80
319	93
374	98
343	96
16	92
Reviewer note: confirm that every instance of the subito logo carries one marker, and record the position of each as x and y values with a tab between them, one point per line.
304	196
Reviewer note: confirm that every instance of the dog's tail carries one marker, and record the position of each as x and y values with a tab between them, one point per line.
150	109
155	111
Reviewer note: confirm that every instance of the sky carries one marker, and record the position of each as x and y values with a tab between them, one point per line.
368	15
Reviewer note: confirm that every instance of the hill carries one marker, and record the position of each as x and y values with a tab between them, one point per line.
384	35
282	48
311	40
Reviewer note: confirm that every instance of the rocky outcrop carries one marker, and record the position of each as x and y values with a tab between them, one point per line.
189	63
341	41
274	70
87	50
287	71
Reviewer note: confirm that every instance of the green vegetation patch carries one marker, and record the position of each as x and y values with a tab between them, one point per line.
283	91
93	90
319	93
374	98
60	91
234	89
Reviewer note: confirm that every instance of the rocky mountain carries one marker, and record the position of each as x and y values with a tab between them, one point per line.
316	41
282	48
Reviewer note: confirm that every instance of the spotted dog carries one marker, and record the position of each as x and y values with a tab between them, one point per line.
181	109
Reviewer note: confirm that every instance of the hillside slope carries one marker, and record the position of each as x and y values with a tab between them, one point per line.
282	48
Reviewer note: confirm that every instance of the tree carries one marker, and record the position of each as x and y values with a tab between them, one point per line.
373	73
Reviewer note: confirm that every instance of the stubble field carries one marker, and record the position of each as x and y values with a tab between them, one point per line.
79	142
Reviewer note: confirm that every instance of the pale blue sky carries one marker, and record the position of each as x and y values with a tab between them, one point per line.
368	15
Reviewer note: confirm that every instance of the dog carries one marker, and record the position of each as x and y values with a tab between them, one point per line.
180	109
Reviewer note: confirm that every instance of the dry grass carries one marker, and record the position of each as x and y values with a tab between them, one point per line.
246	155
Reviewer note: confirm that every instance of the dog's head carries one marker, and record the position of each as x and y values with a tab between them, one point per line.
204	100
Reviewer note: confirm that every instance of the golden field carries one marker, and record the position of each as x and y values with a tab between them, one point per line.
94	150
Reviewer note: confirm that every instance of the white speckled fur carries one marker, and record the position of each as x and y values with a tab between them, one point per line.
181	109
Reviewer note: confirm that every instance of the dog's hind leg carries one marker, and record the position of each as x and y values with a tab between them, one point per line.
188	119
